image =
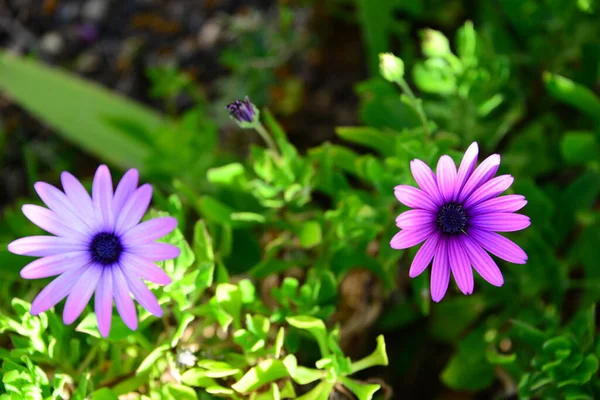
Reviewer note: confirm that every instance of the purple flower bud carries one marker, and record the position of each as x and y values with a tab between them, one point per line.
242	111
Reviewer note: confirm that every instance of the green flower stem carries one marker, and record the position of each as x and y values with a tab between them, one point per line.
416	104
262	131
91	355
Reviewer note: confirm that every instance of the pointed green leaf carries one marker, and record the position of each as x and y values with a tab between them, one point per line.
98	120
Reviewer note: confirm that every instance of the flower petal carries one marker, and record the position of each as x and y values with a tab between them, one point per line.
55	265
102	195
123	299
491	188
51	223
446	177
426	180
134	208
142	294
499	246
103	302
56	290
467	165
144	269
125	188
440	272
155	251
408	238
460	265
58	202
424	255
81	293
149	230
482	262
78	196
481	175
414	198
502	204
414	219
500	222
42	246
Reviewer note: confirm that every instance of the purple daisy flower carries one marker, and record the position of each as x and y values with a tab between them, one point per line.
100	246
457	214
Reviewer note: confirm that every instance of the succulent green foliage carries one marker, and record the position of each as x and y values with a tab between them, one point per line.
566	361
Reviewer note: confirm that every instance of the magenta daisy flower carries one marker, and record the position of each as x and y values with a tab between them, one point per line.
100	247
457	214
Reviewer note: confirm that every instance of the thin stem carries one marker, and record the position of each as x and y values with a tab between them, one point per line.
416	104
262	131
88	359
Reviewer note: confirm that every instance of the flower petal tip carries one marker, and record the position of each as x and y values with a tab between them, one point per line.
36	309
68	319
413	274
25	274
157	313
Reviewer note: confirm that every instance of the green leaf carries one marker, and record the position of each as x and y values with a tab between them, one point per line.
557	343
217	369
220	390
153	357
434	77
304	376
579	147
375	139
310	234
181	392
118	330
315	326
186	319
451	317
466	44
529	333
320	392
229	299
468	369
362	390
214	210
248	217
287	150
586	370
104	394
580	97
271	394
227	175
197	377
203	246
265	372
583	326
87	114
279	341
378	357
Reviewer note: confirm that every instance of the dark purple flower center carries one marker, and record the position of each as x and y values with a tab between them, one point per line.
106	248
452	218
242	111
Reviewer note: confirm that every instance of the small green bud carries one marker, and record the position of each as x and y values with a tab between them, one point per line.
435	44
391	67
